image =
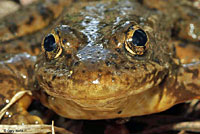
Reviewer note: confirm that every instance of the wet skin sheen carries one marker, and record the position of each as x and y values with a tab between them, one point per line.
102	60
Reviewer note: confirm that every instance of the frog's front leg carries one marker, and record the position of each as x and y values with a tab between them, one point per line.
183	82
189	79
189	73
184	85
15	75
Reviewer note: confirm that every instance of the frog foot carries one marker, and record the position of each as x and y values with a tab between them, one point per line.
15	111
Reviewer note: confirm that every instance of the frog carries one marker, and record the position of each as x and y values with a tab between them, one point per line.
101	60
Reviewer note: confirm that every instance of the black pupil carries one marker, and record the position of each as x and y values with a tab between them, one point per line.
49	43
139	38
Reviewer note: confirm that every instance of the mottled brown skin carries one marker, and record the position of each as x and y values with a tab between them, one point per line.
17	66
91	75
31	18
185	15
15	70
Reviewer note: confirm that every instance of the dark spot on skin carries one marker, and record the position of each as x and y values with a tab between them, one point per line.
119	112
64	41
11	92
190	14
92	62
53	78
17	1
3	50
40	77
127	79
116	66
45	12
18	48
122	62
194	72
58	78
118	50
31	19
2	106
35	48
160	75
68	56
19	67
113	79
115	40
49	85
44	93
127	68
87	21
57	32
99	70
153	71
77	48
133	67
140	1
108	63
55	1
180	74
182	45
45	71
30	71
144	79
108	73
83	71
156	60
2	97
13	28
114	56
174	50
76	63
131	62
175	31
10	82
145	68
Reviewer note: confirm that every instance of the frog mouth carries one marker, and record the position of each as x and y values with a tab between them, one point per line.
110	107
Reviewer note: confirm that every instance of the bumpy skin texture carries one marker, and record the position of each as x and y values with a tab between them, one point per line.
91	75
185	15
96	78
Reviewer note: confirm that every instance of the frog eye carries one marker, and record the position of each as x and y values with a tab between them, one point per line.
139	38
51	46
49	43
136	41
